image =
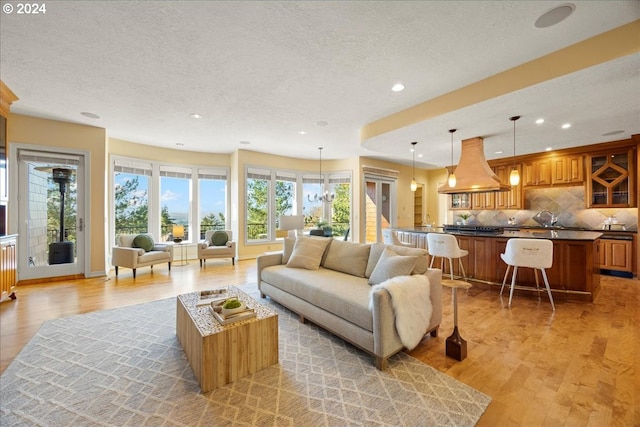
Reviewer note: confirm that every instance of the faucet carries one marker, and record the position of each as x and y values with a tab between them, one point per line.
552	221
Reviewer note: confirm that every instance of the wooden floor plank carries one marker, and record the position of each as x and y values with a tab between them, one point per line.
577	366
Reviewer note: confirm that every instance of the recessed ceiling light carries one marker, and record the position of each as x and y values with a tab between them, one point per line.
540	121
498	152
398	87
90	115
302	132
548	149
195	116
566	126
321	123
245	142
613	132
555	15
420	155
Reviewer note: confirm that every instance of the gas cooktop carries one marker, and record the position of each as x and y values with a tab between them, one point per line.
478	229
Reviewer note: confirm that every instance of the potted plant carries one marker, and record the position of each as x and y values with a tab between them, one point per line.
464	217
324	226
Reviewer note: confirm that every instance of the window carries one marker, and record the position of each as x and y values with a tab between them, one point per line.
272	193
131	196
152	197
258	186
212	191
175	200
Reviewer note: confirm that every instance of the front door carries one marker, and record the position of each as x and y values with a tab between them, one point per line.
51	212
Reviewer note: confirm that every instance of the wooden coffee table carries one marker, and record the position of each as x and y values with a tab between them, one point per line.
221	354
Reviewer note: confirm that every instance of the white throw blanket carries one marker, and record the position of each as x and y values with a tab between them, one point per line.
411	306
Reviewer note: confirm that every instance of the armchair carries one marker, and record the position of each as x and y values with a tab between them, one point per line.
130	255
216	245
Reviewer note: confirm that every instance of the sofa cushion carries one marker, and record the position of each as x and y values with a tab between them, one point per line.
422	262
219	238
344	295
307	252
143	241
287	248
347	257
391	265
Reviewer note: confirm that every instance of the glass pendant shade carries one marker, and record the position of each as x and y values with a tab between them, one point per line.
452	176
514	177
414	185
452	180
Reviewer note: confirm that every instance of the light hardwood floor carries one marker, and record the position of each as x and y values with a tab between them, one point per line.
575	367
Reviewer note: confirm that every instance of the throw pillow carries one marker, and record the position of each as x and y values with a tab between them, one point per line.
307	252
143	241
347	257
287	248
422	263
391	265
219	238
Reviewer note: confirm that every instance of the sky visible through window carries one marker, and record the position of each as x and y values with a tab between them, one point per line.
176	199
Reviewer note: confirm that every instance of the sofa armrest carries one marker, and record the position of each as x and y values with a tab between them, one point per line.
266	260
125	257
385	338
203	244
163	247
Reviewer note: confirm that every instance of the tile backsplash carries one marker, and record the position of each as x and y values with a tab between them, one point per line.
568	203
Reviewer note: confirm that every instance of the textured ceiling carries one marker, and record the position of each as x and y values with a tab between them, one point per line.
264	71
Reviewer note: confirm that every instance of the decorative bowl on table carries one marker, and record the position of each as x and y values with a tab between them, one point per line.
234	306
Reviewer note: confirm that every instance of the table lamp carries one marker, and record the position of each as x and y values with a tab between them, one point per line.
291	223
178	233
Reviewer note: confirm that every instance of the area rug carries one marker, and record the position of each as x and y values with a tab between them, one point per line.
125	367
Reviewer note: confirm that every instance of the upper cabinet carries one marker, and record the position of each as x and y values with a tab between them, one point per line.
611	180
537	172
567	169
513	198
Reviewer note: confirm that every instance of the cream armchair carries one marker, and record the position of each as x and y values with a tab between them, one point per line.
126	254
215	245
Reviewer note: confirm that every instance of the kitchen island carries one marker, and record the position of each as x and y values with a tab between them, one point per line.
575	272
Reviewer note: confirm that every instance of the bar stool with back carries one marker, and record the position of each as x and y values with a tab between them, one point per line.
531	253
446	246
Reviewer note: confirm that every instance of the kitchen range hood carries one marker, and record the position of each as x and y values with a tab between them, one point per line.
473	174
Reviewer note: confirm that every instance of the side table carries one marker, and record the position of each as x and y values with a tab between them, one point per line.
456	346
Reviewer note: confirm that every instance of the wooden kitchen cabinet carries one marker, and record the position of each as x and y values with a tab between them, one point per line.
612	180
8	266
484	201
616	255
567	170
537	172
513	198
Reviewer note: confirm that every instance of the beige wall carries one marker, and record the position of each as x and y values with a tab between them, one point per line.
52	133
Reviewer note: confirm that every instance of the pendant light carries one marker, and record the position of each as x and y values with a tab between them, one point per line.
452	176
324	196
514	177
414	184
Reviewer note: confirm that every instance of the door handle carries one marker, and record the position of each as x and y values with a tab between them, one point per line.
80	225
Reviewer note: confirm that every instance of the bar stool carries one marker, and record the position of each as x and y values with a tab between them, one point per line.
390	237
446	246
530	253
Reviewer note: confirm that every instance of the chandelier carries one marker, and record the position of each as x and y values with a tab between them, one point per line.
324	196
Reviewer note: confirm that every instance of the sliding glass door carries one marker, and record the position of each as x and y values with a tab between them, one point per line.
51	240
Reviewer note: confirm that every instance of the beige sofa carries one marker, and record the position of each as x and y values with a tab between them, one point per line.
336	299
127	255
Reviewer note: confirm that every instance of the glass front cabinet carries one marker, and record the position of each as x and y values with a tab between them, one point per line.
611	181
